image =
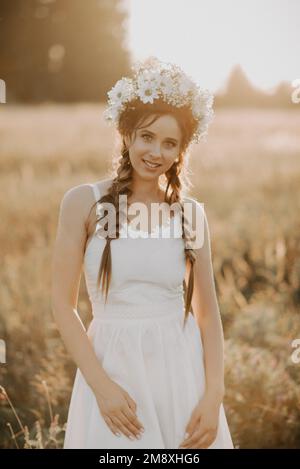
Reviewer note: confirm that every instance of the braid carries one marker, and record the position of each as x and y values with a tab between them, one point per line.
120	185
175	183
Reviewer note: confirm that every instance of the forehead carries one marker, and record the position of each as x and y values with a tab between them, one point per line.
165	126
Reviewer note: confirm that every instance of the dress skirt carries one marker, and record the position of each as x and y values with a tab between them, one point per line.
160	365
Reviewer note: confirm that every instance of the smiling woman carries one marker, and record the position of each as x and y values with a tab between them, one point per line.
153	147
150	365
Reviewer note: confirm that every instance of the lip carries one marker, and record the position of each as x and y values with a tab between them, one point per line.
156	167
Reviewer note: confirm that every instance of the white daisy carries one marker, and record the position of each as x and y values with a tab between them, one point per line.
147	90
148	77
148	93
122	91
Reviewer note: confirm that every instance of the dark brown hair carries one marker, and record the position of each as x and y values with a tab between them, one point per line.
176	179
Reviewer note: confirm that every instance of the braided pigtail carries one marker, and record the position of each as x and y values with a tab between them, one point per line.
120	186
174	182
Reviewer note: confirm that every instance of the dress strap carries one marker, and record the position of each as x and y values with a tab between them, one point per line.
96	191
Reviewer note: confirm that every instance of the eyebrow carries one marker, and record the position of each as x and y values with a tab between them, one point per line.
167	138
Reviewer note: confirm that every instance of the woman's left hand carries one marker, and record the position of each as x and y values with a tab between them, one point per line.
203	424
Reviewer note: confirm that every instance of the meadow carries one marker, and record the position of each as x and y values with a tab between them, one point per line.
247	174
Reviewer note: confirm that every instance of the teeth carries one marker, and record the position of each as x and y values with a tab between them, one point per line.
151	164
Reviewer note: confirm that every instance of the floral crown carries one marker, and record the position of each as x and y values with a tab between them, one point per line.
153	79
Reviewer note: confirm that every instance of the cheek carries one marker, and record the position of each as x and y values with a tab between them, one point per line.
140	149
137	152
171	156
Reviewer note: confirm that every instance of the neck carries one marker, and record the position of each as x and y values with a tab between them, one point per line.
146	191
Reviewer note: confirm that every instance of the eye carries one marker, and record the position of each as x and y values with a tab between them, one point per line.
172	144
147	136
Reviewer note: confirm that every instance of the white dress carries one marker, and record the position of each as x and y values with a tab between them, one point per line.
140	342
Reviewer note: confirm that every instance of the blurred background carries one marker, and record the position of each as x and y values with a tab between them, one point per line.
58	60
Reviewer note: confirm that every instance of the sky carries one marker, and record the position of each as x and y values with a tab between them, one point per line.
208	37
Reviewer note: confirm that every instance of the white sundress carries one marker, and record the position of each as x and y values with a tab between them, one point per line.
139	339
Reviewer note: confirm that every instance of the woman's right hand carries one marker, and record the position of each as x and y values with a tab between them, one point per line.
118	410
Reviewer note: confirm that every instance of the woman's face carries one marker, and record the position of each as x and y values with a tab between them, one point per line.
158	143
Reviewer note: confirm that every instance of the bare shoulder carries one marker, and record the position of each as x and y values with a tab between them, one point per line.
84	191
78	200
197	221
197	207
103	185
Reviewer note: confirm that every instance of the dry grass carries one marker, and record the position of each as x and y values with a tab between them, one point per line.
248	176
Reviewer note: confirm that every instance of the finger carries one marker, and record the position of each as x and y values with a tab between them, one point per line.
207	441
131	413
112	426
204	440
201	443
131	402
130	423
130	428
121	428
192	439
132	417
189	440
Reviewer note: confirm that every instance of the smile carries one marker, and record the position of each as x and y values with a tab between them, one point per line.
151	165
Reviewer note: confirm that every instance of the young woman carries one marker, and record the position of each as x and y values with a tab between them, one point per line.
150	366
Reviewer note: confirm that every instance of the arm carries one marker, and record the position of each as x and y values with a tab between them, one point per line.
203	424
115	404
66	273
207	314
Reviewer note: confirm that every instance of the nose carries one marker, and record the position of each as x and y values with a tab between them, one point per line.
155	151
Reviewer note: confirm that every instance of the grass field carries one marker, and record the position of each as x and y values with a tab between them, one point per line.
248	176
